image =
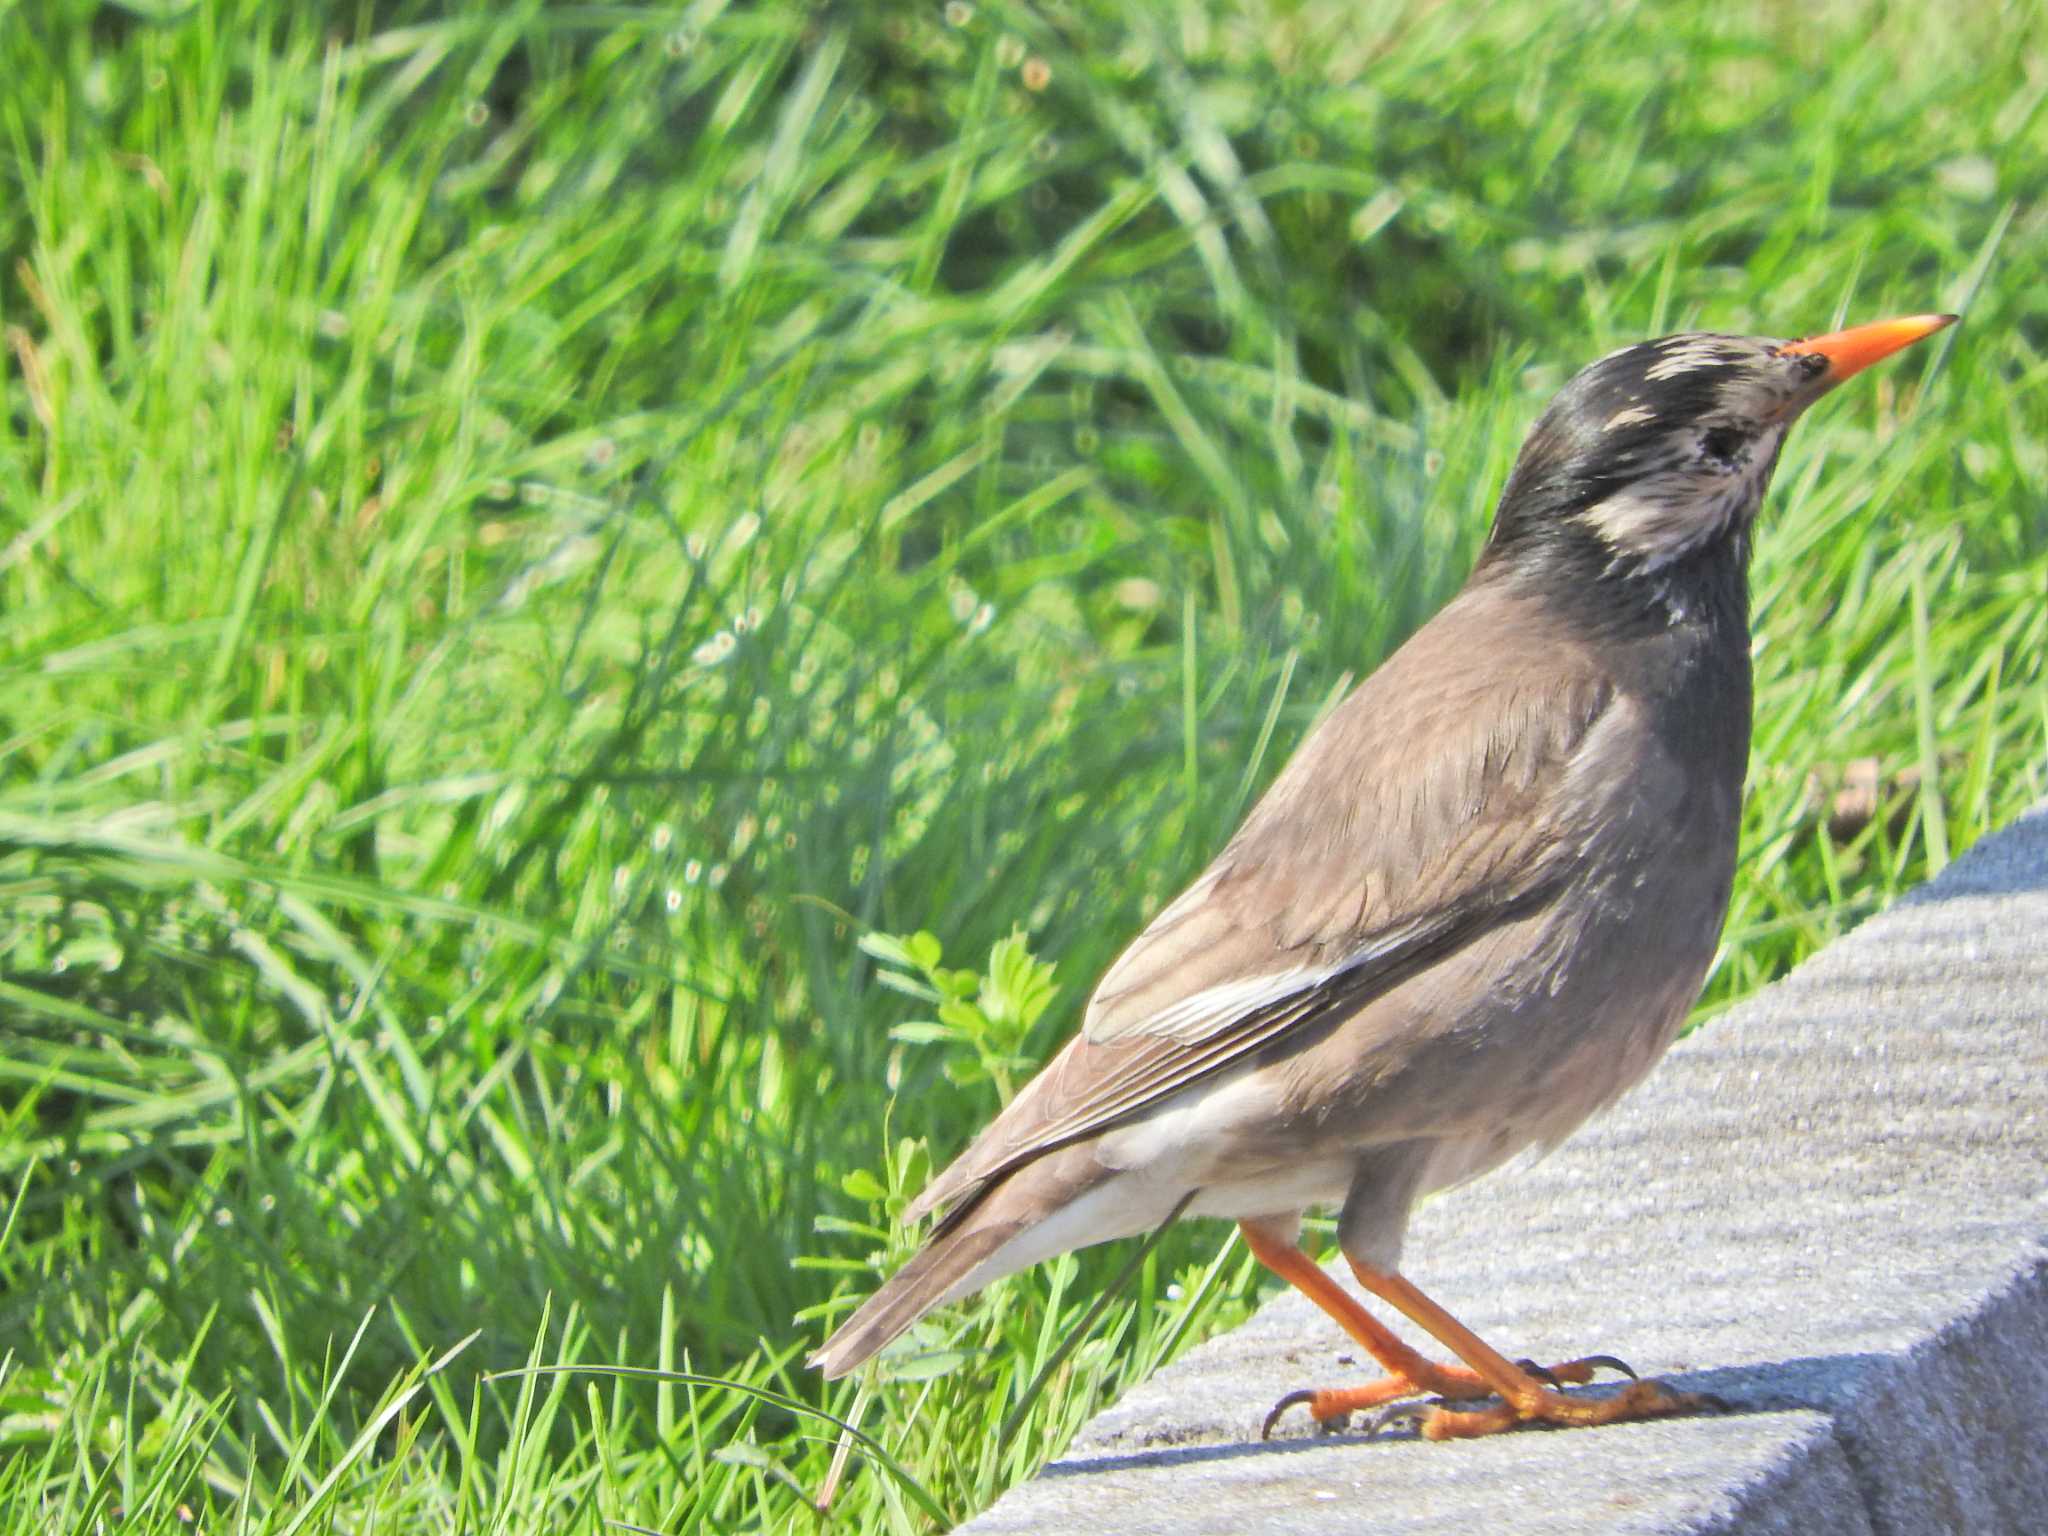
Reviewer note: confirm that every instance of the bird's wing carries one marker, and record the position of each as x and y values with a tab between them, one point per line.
1439	800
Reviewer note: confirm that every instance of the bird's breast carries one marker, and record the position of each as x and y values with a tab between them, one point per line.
1545	1017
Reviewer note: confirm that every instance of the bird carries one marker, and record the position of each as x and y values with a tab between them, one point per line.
1472	910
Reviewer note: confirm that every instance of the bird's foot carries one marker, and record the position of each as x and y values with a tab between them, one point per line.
1332	1407
1543	1405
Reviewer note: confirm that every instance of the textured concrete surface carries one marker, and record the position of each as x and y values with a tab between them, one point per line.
1830	1207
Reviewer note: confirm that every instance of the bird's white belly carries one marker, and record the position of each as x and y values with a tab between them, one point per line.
1203	1140
1122	1206
1284	1192
1210	1138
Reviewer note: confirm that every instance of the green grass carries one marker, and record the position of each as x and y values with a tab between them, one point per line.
529	532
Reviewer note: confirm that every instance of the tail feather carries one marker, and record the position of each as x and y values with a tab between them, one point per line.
911	1292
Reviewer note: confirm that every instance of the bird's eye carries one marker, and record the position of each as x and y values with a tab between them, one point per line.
1724	445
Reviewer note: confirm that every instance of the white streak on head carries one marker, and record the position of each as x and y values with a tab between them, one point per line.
1689	353
1664	515
1655	521
1630	416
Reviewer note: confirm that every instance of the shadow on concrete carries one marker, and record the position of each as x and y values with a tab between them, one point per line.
1823	1383
1815	1383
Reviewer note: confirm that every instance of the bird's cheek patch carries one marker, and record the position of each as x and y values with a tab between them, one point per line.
1656	521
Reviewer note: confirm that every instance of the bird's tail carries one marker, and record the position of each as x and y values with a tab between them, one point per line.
946	1260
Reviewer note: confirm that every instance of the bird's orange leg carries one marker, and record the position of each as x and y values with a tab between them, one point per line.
1523	1399
1409	1374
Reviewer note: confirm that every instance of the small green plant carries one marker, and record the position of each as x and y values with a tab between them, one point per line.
985	1017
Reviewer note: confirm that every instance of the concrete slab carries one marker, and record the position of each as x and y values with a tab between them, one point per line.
1829	1207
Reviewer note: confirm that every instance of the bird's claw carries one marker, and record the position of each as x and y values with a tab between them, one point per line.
1413	1415
1306	1395
1574	1372
1595	1362
1557	1379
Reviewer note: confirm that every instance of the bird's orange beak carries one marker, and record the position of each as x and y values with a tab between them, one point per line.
1855	349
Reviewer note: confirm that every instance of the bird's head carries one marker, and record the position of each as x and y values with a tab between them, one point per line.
1659	454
